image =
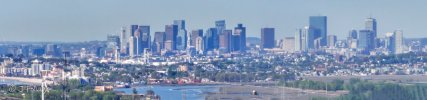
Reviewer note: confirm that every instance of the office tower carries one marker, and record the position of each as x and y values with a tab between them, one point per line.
212	39
225	40
390	42
239	38
100	52
123	41
171	32
332	39
267	38
113	41
288	44
298	40
195	34
133	29
352	34
169	45
144	39
308	35
132	46
319	23
181	39
158	43
199	45
366	40
371	24
398	34
220	26
52	50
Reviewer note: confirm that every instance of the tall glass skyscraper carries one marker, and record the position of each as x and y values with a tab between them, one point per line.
212	39
171	32
319	24
371	24
366	38
181	40
239	38
267	38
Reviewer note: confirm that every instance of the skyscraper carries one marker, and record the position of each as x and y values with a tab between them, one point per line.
319	23
398	34
267	38
212	39
371	24
239	38
298	40
133	29
132	46
365	39
171	32
332	39
123	41
195	34
225	40
289	44
390	42
308	34
181	40
144	38
159	38
352	34
220	25
199	45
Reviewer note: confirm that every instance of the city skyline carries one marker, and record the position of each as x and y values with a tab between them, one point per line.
53	21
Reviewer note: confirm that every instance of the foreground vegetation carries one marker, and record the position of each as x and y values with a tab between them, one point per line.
365	90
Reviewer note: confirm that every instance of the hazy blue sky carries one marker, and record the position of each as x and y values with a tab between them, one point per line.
83	20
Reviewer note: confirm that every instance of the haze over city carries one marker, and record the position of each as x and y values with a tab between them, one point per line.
82	20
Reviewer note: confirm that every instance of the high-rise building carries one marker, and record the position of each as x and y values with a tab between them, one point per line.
181	40
169	45
195	34
352	34
298	40
113	41
159	38
239	38
123	41
332	39
390	42
371	24
133	29
212	39
319	23
289	44
199	45
308	34
144	38
267	38
225	40
398	34
171	32
220	26
366	40
132	46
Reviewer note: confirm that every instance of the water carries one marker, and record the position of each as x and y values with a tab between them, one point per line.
175	92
